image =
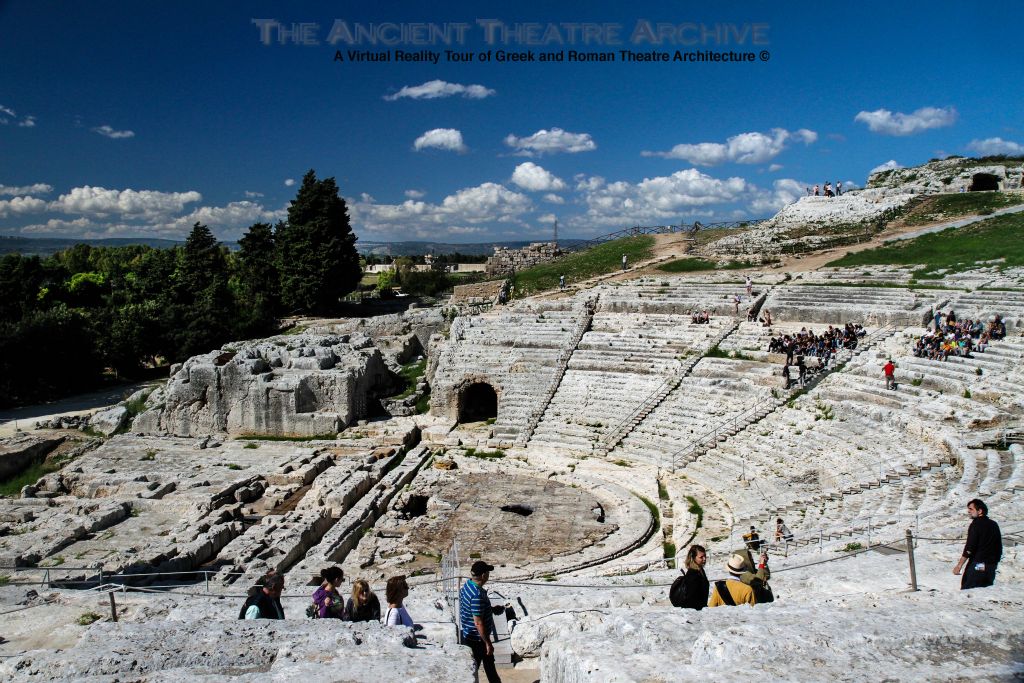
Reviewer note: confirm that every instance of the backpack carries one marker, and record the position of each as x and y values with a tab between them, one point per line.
762	591
677	593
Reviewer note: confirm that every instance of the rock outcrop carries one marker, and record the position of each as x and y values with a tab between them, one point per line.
304	385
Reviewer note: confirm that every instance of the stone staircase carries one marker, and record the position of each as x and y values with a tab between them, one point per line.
589	307
641	412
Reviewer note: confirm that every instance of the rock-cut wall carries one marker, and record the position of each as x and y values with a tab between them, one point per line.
303	386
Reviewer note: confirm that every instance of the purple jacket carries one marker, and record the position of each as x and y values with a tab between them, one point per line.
336	608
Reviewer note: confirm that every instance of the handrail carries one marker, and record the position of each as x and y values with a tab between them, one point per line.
610	437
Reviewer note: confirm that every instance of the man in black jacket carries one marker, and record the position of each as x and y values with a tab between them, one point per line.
983	550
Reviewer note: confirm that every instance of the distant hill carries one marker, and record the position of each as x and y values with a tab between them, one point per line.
45	246
416	248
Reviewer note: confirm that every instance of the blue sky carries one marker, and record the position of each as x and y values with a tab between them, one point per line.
138	119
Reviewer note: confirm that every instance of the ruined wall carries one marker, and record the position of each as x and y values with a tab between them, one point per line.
507	260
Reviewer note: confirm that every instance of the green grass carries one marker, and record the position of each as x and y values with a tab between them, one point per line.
88	618
950	206
411	373
423	404
851	547
654	513
13	486
953	250
687	265
486	455
277	437
599	260
251	445
696	510
662	491
670	553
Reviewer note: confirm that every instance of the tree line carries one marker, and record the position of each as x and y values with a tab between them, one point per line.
68	318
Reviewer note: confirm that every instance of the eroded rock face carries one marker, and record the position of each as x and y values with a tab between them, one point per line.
304	385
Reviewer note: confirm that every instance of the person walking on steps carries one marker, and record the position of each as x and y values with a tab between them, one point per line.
477	619
983	550
890	375
623	263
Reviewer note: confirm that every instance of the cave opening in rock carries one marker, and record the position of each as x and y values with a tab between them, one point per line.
416	505
478	402
984	182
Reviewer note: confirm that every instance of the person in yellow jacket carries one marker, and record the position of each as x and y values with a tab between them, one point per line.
732	591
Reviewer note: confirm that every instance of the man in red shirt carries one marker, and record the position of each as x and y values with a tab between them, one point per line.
890	375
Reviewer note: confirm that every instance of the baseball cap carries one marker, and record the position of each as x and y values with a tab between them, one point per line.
479	567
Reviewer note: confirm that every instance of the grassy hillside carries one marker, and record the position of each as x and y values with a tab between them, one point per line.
950	206
604	258
996	239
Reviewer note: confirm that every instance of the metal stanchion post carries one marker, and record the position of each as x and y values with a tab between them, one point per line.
206	575
113	607
910	556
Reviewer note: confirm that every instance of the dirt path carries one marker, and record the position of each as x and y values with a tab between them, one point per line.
24	418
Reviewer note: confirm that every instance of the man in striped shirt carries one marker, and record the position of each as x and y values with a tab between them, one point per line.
477	619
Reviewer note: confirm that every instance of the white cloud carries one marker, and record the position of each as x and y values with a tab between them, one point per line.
229	219
585	183
658	200
888	123
784	191
775	167
448	139
227	222
550	142
887	166
547	219
108	132
534	178
288	182
551	198
101	202
21	205
253	195
485	203
437	88
8	115
36	188
464	230
59	226
415	194
992	146
745	148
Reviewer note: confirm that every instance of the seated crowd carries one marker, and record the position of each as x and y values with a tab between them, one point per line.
264	600
953	337
700	317
807	343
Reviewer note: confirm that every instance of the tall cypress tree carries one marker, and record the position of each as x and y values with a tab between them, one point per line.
203	309
259	281
318	259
